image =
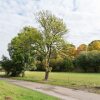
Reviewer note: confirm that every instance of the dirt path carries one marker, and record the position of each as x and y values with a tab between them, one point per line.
57	91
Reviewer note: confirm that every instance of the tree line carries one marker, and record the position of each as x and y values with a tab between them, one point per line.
84	58
44	49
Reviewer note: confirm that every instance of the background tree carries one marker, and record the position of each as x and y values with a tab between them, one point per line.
68	50
62	64
88	61
94	45
82	47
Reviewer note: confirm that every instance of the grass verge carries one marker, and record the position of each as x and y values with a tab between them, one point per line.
17	93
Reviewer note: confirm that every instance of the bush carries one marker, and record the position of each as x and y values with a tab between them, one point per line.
11	68
62	65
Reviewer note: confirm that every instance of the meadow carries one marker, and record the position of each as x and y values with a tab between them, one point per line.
83	81
17	93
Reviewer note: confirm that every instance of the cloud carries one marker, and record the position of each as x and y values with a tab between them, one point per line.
83	22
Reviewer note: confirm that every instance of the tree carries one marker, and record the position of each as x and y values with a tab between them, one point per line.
52	30
67	64
89	61
68	50
94	60
21	50
94	45
82	62
82	47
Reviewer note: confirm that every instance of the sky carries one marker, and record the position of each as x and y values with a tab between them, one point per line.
82	18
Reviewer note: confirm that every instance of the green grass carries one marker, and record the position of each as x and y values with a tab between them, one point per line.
84	81
18	93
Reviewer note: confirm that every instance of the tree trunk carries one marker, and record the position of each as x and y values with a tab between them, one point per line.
47	61
23	73
46	75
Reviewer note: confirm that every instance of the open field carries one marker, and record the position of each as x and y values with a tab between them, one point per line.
18	93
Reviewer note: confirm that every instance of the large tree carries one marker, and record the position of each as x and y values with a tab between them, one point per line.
52	31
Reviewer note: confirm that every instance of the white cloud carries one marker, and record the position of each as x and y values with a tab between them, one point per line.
83	23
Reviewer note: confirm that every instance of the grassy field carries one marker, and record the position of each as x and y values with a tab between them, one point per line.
89	81
18	93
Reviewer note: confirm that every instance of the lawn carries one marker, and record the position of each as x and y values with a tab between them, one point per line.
18	93
84	81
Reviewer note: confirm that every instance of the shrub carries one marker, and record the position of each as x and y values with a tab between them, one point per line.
62	65
11	68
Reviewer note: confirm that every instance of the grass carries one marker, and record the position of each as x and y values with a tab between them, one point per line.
84	81
18	93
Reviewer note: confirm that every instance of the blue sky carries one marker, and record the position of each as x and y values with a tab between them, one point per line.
82	18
